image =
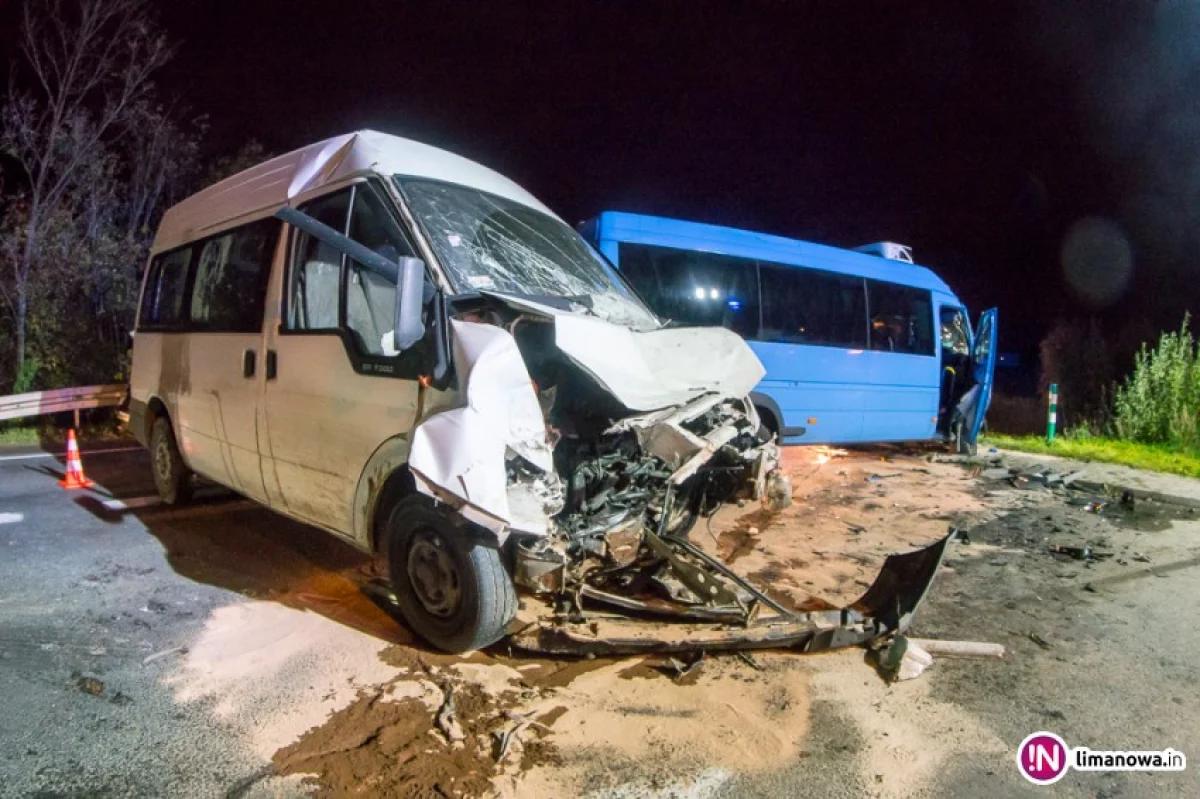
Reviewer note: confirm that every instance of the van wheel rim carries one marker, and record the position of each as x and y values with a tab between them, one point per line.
162	461
432	574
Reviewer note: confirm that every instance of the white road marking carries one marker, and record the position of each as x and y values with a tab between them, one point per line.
90	453
188	511
11	518
131	503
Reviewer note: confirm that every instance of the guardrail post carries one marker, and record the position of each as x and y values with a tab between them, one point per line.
1052	417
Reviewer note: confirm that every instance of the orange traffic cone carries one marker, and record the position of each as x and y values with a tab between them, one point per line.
75	477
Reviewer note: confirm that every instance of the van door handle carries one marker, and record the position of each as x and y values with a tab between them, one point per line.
272	364
248	363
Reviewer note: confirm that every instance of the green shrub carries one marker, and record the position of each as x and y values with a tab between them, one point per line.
25	376
1159	403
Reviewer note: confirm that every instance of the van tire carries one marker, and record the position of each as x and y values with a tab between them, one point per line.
768	425
453	587
172	477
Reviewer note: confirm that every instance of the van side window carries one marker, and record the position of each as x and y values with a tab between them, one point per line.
370	299
230	287
810	306
316	273
329	292
901	318
695	288
162	300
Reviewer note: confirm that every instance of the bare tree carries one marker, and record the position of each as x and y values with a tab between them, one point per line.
88	64
162	153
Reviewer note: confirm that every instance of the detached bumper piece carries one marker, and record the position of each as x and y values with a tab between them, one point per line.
738	616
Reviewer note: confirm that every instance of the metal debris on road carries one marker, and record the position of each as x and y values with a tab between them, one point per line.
961	649
1040	641
761	622
446	720
505	739
159	655
1078	553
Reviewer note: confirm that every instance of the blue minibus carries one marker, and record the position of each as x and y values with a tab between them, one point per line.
859	345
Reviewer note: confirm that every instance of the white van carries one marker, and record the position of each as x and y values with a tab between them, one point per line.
408	350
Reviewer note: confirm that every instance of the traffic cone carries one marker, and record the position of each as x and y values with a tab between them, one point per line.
75	477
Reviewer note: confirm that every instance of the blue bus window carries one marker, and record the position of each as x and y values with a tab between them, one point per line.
901	318
808	306
694	288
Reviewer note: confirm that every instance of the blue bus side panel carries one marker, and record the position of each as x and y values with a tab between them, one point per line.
901	398
853	395
820	383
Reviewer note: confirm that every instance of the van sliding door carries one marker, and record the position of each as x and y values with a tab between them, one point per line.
222	355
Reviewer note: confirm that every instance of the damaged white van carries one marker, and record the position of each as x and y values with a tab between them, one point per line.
408	350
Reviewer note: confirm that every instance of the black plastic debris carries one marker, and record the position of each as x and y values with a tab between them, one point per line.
1078	553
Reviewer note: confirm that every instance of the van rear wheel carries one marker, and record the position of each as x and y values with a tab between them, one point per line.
453	588
172	477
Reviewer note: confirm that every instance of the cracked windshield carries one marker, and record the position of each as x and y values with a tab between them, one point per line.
488	243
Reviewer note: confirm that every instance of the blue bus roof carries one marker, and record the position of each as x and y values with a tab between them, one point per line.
677	233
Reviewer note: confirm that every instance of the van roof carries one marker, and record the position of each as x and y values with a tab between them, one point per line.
275	183
678	233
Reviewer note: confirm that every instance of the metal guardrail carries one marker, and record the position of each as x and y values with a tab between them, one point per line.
38	403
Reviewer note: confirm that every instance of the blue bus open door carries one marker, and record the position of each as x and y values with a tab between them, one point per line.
974	404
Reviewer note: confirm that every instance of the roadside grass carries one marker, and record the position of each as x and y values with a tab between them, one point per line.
1155	457
15	435
19	435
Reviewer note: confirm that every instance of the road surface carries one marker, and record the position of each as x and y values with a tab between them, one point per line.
217	650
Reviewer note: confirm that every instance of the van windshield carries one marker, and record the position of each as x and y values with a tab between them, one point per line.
488	243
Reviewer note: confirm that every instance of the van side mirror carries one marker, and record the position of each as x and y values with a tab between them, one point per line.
408	327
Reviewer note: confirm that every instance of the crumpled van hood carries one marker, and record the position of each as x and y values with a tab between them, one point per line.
652	369
460	454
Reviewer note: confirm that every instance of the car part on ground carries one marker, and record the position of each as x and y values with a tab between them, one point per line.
885	609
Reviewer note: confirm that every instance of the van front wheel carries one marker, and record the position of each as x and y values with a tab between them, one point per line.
172	477
453	588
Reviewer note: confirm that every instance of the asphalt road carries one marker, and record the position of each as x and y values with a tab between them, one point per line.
96	602
102	592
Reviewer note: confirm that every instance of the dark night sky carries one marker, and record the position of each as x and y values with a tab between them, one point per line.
978	133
